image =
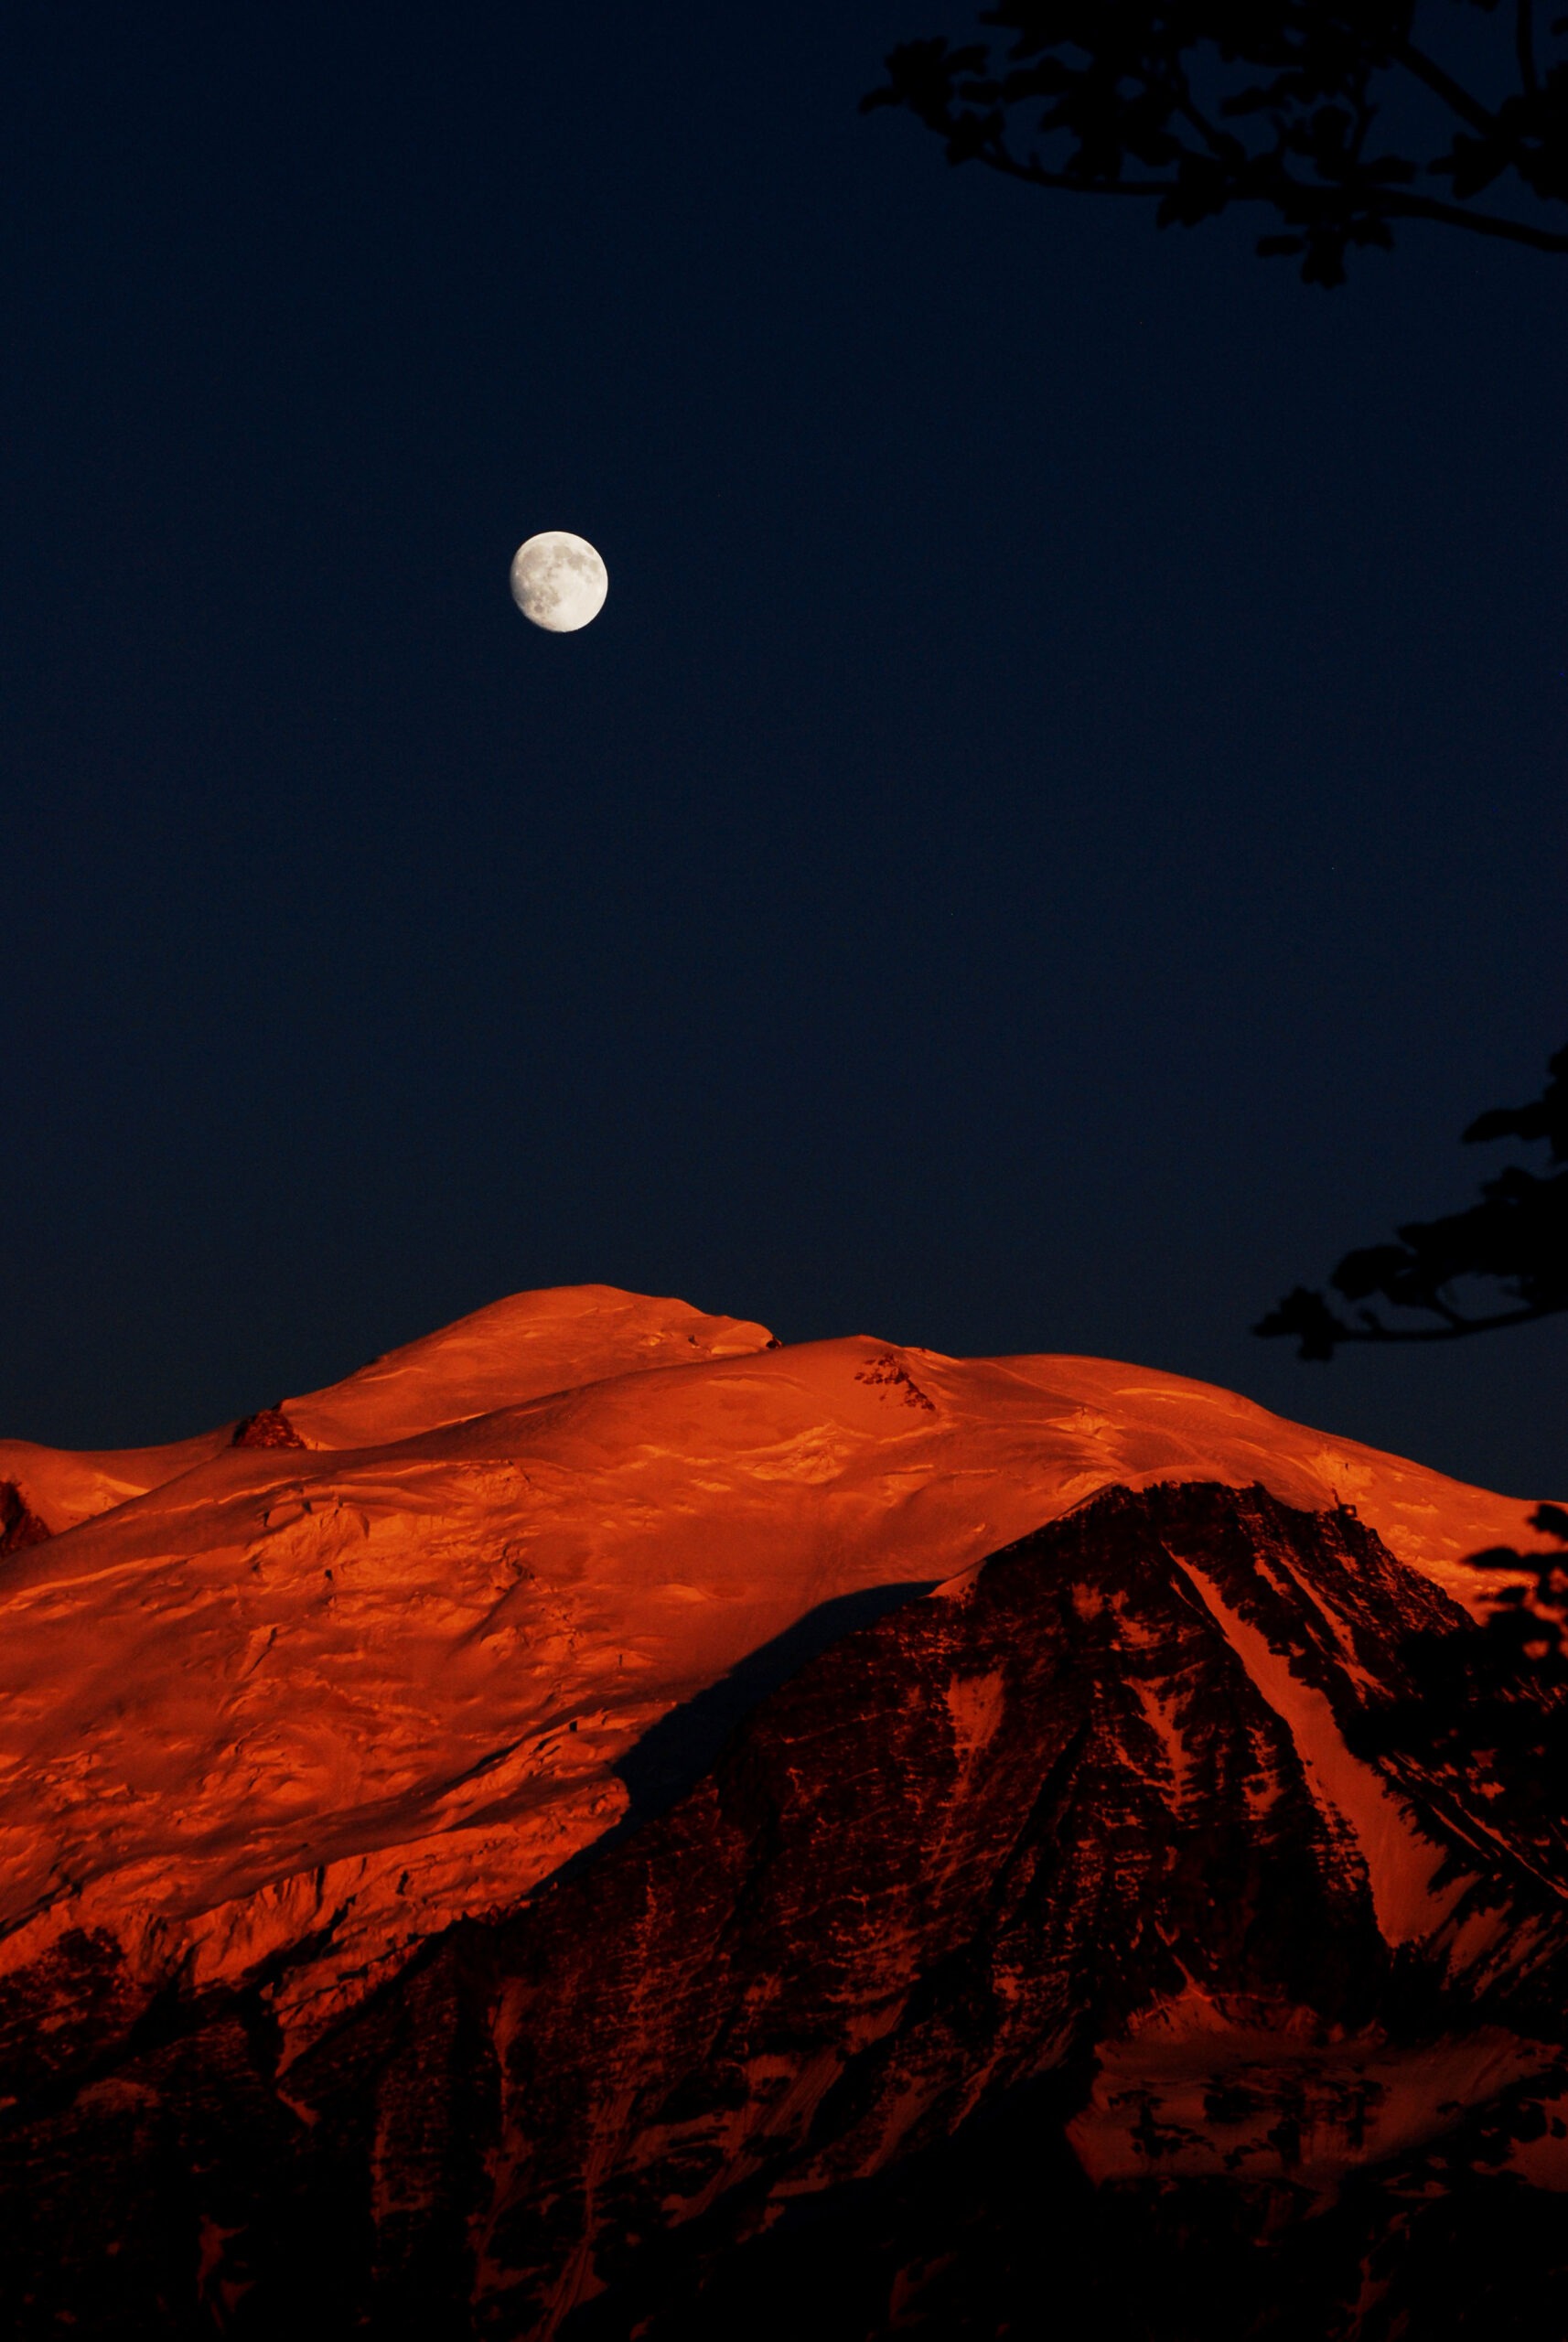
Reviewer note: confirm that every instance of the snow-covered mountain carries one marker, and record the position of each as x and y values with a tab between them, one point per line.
599	1823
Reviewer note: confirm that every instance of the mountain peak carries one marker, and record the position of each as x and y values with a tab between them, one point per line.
313	1739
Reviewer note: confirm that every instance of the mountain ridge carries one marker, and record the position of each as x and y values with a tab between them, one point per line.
307	1745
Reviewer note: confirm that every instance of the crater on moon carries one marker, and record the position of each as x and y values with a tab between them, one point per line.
558	581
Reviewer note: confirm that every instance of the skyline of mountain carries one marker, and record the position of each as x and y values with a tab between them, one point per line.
597	1784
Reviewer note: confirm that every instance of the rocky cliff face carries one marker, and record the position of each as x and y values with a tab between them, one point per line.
1045	1956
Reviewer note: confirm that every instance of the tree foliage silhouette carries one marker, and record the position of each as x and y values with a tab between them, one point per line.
1281	103
1515	1240
1499	1692
1496	1694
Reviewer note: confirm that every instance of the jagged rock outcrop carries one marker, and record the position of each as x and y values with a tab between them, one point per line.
19	1524
268	1427
1044	1957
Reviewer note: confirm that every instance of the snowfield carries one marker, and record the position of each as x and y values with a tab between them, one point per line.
309	1704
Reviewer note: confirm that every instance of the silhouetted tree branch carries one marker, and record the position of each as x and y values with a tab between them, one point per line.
1516	1238
1492	1701
1201	105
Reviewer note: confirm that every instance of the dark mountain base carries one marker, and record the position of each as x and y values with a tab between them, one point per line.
994	1892
1000	2234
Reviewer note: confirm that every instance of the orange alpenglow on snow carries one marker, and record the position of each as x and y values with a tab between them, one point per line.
385	1674
492	1837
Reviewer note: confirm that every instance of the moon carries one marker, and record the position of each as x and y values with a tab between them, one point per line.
558	581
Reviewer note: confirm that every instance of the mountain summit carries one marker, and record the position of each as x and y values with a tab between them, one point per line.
601	1824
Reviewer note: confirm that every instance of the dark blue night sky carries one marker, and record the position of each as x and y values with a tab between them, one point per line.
1060	821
